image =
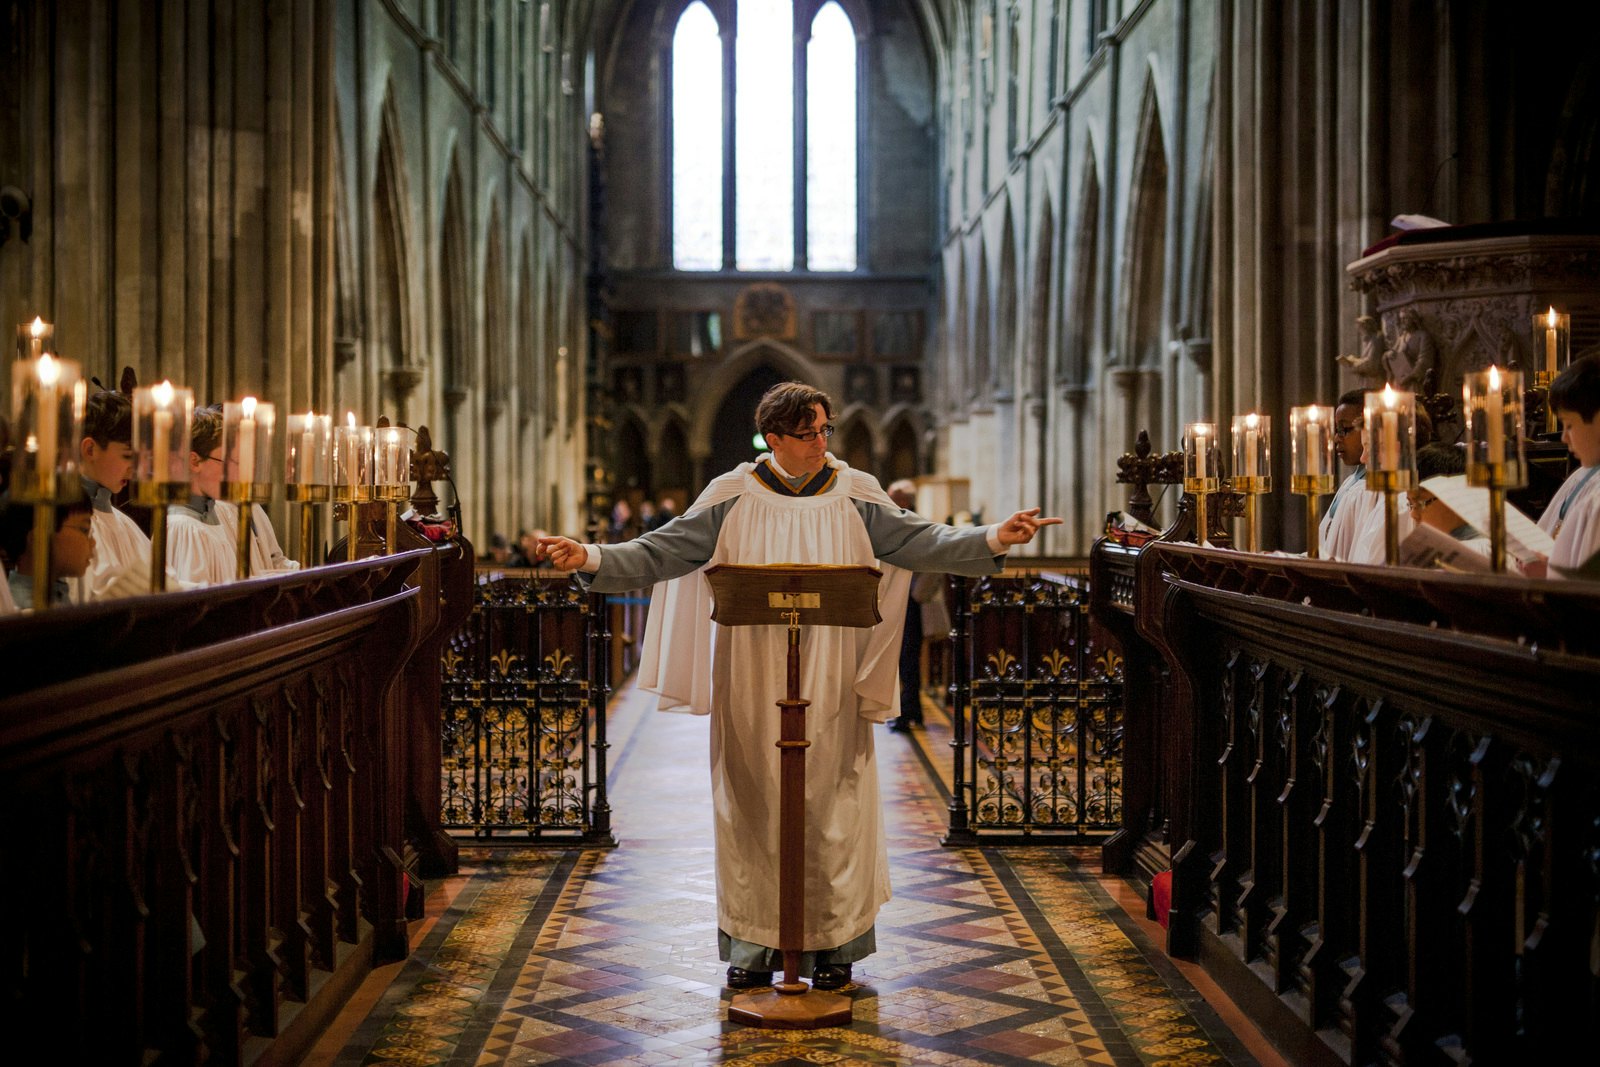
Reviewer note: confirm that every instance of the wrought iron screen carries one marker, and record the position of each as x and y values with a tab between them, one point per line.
1037	709
525	685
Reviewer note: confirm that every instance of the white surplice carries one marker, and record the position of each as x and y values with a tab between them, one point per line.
266	554
738	674
199	552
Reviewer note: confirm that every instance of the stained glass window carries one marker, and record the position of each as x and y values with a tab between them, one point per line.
764	133
697	141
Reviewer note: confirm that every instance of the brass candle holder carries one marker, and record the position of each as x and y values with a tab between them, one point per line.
1496	454
1311	463
1252	467
247	436
391	473
162	415
1391	424
352	476
48	396
306	472
1201	476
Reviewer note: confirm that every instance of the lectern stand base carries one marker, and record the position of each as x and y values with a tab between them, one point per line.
806	1009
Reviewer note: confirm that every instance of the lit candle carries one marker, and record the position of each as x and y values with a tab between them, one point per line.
36	335
1550	341
1494	417
307	447
1389	434
49	372
1313	442
161	432
247	439
1200	453
1252	437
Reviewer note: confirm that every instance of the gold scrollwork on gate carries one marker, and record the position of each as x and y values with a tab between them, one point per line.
503	661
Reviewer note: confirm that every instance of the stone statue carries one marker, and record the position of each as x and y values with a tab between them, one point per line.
1414	360
1368	366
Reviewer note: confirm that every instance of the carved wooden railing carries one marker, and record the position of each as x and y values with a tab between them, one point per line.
1382	792
206	797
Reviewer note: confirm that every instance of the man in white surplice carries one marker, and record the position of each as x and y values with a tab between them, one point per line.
797	505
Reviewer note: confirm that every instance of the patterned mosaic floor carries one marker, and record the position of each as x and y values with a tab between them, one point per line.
986	956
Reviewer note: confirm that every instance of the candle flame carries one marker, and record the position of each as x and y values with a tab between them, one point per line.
49	370
162	394
1551	317
247	407
31	444
1388	396
1251	421
37	327
1494	379
394	437
1313	414
350	419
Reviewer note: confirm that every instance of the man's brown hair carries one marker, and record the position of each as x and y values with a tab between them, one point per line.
786	408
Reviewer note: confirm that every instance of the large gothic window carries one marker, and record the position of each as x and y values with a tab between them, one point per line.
770	214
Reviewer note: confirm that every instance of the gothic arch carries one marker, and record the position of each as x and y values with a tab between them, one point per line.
789	362
854	441
982	334
524	370
902	452
1084	264
1144	267
455	330
496	328
957	339
1036	361
631	456
1004	381
393	324
674	470
348	328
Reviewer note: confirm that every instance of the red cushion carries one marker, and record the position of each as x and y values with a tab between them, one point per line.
1161	896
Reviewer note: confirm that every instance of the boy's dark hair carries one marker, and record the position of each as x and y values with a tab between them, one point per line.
16	524
1440	459
205	431
787	407
1577	389
1352	398
108	417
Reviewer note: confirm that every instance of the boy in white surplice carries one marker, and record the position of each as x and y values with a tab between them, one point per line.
797	505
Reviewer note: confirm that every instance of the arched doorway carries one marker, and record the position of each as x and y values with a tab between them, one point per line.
736	424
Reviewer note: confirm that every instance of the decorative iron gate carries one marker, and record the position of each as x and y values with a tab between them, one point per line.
526	681
1037	703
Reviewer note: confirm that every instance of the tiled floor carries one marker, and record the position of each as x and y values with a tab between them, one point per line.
990	956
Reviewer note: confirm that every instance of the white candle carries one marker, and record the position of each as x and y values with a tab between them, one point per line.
307	444
1252	438
352	462
1199	454
49	372
1313	448
1495	418
161	433
247	439
1550	341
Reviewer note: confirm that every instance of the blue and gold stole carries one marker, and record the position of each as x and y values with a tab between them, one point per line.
819	482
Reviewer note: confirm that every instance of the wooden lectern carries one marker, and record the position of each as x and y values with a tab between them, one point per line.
776	595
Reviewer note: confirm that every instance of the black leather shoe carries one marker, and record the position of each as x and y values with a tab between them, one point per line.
831	976
899	726
739	978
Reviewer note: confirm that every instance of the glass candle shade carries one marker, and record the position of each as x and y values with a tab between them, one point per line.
1201	458
1311	449
352	462
47	403
1252	453
162	415
307	450
1492	403
247	433
392	462
1552	336
1391	423
34	338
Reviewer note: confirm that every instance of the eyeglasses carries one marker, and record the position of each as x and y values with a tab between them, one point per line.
826	431
1417	502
